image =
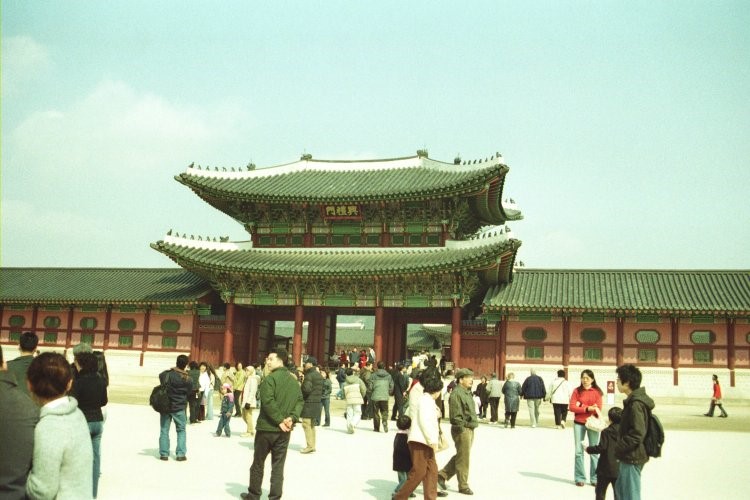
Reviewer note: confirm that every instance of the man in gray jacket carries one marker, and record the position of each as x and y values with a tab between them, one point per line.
380	388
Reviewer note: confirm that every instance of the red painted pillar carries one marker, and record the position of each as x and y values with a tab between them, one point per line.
144	343
620	356
107	324
456	336
297	339
379	327
500	350
731	357
194	338
227	351
34	316
675	330
332	338
566	342
69	329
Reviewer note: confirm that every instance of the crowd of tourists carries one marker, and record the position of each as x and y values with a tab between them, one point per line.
59	409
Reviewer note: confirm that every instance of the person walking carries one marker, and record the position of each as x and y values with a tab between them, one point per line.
365	373
629	449
400	388
380	388
280	408
424	434
716	399
401	456
463	417
481	393
558	394
325	400
533	392
238	386
494	392
585	401
195	395
512	392
225	412
179	387
90	390
312	391
354	394
249	400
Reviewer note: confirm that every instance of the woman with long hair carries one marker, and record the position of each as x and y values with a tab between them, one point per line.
716	399
90	389
63	454
585	401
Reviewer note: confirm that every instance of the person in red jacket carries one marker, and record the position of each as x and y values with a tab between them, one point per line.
716	400
585	401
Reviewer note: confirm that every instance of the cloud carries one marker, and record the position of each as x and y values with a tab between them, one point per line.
24	59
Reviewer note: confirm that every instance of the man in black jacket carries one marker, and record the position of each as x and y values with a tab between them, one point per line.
400	387
312	391
179	388
20	366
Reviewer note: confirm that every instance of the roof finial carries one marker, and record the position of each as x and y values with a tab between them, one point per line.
250	166
422	153
457	159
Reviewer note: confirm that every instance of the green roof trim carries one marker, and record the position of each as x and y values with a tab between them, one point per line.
644	292
99	286
479	253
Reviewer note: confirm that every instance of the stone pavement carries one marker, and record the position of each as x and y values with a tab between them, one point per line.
510	464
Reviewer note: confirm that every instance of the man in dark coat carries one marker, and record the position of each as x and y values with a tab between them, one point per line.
19	415
179	388
312	392
630	450
365	373
20	366
533	391
195	396
280	408
400	388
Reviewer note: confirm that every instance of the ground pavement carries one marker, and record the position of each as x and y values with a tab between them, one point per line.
702	459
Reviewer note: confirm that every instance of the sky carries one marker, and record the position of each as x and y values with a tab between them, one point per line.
626	125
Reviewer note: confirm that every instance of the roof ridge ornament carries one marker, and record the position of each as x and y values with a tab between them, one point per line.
422	153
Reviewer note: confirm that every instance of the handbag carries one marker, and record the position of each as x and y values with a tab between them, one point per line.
595	422
442	442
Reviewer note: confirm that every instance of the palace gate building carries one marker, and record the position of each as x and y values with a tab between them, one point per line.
408	241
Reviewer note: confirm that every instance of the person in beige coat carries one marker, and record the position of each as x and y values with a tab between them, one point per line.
249	401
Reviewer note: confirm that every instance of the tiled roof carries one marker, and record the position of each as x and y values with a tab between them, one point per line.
40	285
479	252
690	292
323	181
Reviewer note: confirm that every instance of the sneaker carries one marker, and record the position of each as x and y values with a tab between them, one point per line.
181	459
305	451
562	425
164	458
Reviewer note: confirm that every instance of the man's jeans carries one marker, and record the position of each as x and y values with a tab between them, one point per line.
275	443
579	471
179	423
95	431
628	485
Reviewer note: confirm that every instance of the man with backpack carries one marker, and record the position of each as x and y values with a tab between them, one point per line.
630	449
179	387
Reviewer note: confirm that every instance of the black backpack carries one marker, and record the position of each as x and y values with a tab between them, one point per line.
159	399
654	439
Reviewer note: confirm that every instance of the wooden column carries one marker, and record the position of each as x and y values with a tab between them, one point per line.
379	327
69	327
731	357
227	351
332	339
254	340
566	342
456	335
146	325
297	339
620	325
501	349
107	325
194	338
674	323
34	317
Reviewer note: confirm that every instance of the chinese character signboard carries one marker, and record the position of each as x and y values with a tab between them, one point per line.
341	212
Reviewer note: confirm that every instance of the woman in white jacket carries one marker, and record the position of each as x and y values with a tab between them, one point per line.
558	393
249	401
424	435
